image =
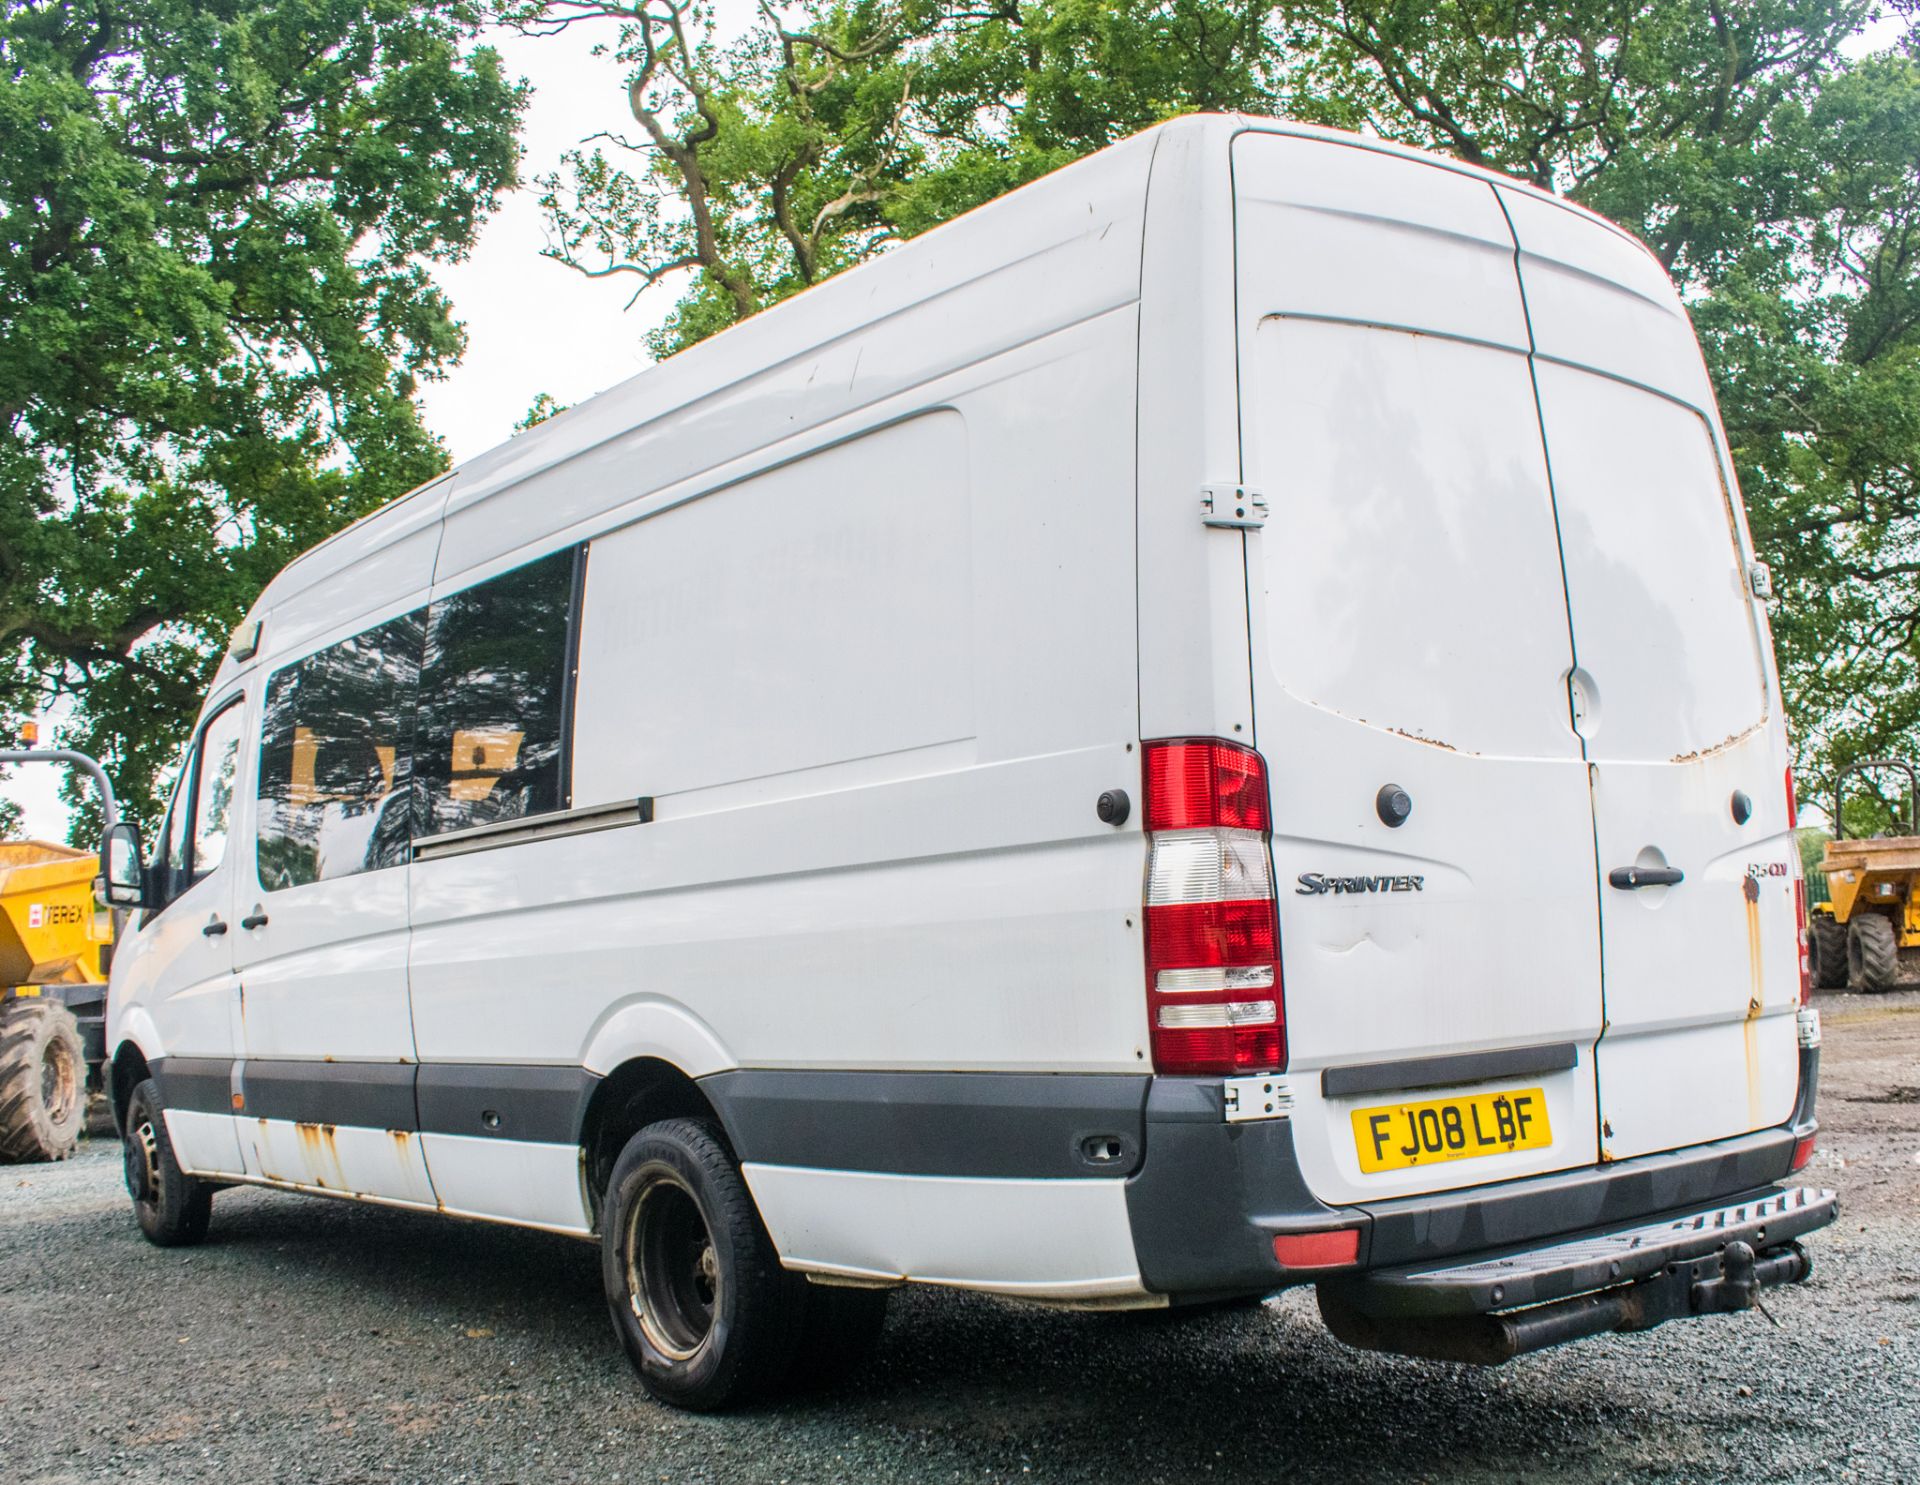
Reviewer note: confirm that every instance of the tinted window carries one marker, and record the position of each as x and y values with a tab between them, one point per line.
214	795
172	863
335	750
492	696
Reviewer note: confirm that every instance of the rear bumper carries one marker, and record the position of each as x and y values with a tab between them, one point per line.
1209	1197
1494	1307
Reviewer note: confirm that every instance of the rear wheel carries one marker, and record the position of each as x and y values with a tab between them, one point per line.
1827	946
699	1300
172	1207
43	1081
1873	953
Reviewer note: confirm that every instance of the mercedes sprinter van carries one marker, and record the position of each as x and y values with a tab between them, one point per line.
1207	726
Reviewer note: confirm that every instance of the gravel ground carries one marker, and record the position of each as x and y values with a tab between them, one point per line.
329	1342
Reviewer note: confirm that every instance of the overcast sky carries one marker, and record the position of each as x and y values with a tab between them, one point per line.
534	325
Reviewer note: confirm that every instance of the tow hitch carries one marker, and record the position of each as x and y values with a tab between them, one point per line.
1492	1309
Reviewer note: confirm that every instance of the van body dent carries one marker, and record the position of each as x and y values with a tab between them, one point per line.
1202	727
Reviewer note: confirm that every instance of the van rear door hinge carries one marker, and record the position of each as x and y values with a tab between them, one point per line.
1233	505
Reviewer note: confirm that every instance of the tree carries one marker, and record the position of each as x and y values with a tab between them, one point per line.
1773	170
216	309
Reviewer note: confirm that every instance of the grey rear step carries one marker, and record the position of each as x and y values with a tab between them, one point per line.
1714	1260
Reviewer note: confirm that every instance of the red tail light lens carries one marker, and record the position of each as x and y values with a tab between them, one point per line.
1193	785
1212	927
1793	802
1338	1249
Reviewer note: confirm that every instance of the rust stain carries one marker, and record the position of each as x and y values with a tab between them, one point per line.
1750	889
1432	742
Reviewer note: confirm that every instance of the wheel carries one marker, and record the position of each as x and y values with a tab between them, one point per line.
699	1300
172	1207
1873	953
43	1081
1827	946
840	1329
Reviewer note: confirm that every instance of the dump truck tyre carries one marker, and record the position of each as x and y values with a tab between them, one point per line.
43	1081
1873	954
172	1207
1828	941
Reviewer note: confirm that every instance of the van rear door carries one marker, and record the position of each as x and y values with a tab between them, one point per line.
1671	698
1409	629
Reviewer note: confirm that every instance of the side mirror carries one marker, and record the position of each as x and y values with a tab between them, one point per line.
120	866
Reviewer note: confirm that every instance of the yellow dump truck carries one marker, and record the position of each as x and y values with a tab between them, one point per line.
1866	935
54	948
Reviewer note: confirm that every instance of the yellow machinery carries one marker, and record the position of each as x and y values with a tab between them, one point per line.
54	946
1866	936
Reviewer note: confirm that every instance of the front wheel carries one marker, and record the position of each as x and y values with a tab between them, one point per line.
698	1298
172	1207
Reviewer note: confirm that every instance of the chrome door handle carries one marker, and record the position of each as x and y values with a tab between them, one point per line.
215	927
1627	878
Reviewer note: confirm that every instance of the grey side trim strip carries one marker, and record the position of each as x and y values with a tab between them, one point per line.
371	1095
541	1104
1438	1072
1003	1125
197	1085
548	826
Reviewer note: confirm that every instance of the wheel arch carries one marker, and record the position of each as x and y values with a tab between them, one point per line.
127	1069
639	1092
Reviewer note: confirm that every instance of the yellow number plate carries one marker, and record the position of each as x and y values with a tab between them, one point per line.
1397	1135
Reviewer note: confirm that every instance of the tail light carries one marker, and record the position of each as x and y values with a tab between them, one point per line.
1793	802
1802	929
1214	998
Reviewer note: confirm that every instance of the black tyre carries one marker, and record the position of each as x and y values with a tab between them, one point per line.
706	1314
1827	946
43	1081
840	1329
1873	954
172	1207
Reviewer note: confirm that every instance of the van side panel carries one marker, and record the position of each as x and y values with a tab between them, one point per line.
873	680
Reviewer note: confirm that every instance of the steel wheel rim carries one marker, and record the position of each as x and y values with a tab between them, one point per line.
59	1087
143	1160
674	1285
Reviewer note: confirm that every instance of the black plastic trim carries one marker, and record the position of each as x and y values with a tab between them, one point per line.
370	1095
1001	1125
1210	1196
195	1085
1437	1072
542	1104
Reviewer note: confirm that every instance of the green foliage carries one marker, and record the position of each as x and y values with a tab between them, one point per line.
1769	165
544	405
217	215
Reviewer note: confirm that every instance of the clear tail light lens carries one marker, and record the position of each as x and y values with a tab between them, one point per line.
1214	1002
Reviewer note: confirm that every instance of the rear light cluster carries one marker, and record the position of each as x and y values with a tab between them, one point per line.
1212	925
1799	894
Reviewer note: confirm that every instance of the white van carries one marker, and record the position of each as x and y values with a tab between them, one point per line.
1205	727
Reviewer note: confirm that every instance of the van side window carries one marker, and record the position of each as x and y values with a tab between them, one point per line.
172	860
213	795
493	690
335	757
